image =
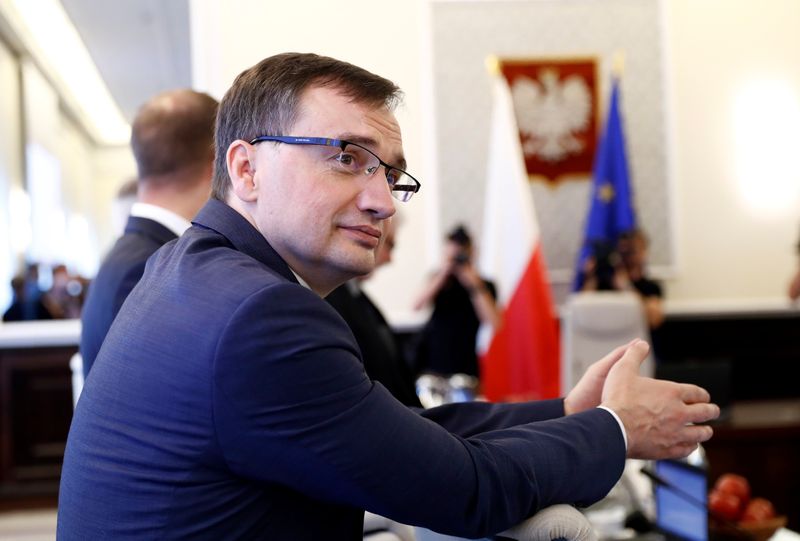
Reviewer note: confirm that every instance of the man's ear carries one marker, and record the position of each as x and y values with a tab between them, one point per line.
241	161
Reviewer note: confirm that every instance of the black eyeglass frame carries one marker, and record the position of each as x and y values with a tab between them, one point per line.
342	144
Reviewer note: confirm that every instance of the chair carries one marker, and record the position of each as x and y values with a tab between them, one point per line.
554	523
593	324
378	528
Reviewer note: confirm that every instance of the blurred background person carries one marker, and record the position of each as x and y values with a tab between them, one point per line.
26	303
794	284
632	248
623	267
384	360
462	301
172	138
603	269
65	297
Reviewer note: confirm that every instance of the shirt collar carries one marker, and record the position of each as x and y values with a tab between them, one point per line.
172	221
300	280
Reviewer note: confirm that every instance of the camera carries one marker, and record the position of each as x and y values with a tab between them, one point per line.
461	258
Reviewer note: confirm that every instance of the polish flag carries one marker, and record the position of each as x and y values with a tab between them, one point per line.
520	359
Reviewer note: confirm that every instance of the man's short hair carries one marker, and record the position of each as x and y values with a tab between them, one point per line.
173	131
263	100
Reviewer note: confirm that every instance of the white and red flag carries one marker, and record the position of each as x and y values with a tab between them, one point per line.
520	359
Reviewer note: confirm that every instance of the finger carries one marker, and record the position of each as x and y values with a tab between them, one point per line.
635	354
682	450
701	413
692	394
695	433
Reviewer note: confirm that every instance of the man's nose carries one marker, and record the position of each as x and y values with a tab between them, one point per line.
376	198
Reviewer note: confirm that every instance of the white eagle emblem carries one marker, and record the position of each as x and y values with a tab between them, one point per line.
549	114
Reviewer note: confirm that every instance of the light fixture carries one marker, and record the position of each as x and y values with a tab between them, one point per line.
766	114
49	35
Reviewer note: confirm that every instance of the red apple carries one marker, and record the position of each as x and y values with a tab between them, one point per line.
737	485
758	509
725	505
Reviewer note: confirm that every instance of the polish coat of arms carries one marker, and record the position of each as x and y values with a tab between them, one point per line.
550	113
555	108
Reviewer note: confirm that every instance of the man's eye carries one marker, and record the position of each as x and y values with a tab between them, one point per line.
392	176
346	159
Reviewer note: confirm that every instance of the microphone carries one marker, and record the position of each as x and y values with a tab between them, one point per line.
657	479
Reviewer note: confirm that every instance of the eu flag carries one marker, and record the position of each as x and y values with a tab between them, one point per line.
611	209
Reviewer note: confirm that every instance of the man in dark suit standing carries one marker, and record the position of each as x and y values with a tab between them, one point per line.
172	139
383	358
229	400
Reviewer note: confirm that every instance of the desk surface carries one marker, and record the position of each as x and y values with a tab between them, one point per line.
29	334
754	417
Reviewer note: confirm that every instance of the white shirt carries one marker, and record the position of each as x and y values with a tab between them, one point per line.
174	222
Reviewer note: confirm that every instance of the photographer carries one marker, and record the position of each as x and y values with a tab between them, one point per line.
604	270
623	267
462	301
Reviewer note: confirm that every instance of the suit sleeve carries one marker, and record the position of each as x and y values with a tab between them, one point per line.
292	405
471	418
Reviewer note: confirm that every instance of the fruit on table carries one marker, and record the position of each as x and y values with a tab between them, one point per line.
725	504
737	485
757	510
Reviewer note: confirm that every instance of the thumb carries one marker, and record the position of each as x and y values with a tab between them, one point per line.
632	359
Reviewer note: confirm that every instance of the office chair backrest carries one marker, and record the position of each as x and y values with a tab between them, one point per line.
594	323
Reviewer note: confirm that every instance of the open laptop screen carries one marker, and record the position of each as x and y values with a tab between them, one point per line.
681	509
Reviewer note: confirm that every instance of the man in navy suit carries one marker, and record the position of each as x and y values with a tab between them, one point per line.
229	400
173	142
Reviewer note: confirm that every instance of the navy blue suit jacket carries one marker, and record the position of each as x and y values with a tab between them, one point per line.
230	402
120	271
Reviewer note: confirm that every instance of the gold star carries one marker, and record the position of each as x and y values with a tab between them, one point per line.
606	192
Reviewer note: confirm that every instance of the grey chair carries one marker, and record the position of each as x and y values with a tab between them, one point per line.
554	523
593	324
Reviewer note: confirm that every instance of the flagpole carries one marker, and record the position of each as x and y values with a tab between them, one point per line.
493	65
618	65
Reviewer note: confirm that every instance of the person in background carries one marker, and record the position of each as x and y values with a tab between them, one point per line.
22	308
383	357
462	301
603	269
794	284
230	401
632	248
65	297
172	140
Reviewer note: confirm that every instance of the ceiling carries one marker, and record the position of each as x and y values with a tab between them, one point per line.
140	47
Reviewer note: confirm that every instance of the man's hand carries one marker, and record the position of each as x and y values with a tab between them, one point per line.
588	391
658	415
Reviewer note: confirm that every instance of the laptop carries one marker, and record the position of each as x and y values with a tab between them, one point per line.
682	501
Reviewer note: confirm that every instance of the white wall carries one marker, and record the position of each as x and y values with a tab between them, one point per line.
727	246
730	244
10	172
112	166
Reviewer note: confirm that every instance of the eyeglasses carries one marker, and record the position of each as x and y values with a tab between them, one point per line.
355	159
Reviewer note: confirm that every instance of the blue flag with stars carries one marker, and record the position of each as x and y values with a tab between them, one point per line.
611	209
